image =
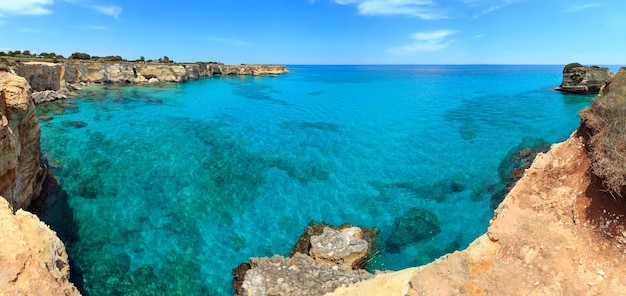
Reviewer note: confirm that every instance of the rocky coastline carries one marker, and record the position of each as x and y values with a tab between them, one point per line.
33	260
555	233
579	79
53	81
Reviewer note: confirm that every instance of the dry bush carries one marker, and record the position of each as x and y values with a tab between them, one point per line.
605	121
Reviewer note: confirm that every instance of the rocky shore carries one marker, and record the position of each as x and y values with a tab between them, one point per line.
53	81
557	232
33	260
581	79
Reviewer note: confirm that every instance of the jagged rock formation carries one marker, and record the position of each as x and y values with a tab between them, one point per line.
584	80
552	235
330	259
55	76
21	170
33	260
53	81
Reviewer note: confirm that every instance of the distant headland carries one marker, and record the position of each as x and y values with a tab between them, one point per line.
52	76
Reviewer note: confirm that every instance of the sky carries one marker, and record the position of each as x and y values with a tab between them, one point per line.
592	32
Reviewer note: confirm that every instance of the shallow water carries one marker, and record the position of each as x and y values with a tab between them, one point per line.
168	188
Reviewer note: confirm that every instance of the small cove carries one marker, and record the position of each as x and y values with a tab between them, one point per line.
167	188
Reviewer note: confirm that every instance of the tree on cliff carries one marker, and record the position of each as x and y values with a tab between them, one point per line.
79	56
165	59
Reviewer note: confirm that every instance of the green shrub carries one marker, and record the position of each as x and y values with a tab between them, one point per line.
570	66
79	56
605	121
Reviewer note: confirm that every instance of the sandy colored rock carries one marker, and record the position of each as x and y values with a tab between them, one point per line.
554	234
33	260
59	76
297	275
345	248
21	170
584	80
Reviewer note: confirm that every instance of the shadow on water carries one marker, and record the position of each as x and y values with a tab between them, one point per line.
52	207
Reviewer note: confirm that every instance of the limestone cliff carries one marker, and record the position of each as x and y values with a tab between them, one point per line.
55	76
21	170
33	260
584	80
552	235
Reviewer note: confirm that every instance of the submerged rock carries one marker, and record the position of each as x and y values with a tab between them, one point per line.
74	123
515	164
416	225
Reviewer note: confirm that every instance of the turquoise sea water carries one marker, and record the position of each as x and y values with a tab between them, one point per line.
165	189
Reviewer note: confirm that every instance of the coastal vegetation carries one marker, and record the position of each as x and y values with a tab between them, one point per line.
605	120
570	66
53	57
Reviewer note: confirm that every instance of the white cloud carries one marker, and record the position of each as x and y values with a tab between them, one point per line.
25	7
488	6
112	10
427	41
478	36
575	8
423	9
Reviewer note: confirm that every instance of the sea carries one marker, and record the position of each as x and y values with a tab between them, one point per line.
163	190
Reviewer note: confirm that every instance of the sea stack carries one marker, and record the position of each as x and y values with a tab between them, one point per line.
581	79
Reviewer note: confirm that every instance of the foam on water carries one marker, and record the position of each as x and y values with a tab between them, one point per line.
171	187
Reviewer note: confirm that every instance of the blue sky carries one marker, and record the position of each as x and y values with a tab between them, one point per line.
324	31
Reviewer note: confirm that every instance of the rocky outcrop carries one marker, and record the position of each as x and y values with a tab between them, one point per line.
53	81
330	259
583	79
554	234
55	76
21	169
33	260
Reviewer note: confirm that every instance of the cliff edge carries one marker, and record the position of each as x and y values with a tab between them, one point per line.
581	79
33	260
552	235
21	170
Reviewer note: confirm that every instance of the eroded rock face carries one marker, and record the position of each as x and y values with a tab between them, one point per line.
345	248
58	76
33	260
584	80
552	235
330	259
21	170
297	275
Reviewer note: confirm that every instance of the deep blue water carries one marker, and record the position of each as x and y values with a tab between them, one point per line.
168	188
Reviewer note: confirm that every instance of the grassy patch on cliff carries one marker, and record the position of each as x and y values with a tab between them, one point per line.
605	120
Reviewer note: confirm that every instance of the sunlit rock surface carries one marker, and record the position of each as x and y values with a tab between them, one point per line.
33	260
554	234
584	80
21	170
